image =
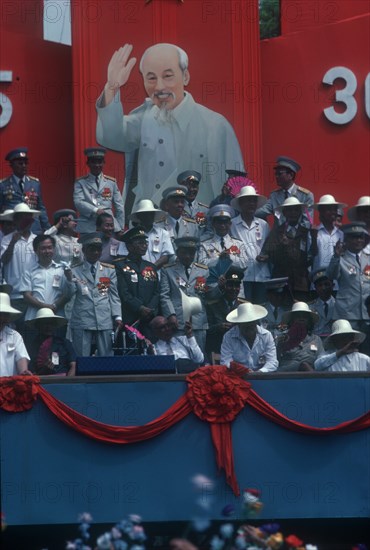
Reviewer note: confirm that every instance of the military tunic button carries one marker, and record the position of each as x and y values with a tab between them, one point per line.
160	141
157	186
161	163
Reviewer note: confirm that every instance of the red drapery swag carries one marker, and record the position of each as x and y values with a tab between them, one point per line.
215	394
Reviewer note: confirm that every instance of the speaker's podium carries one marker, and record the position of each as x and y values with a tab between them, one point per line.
125	364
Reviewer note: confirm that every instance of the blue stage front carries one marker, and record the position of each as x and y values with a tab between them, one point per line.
50	473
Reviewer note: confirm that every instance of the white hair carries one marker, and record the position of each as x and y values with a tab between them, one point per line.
183	56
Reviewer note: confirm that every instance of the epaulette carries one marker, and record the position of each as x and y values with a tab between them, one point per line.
202	204
168	265
303	189
189	219
33	178
119	259
82	177
243	301
110	178
107	265
202	266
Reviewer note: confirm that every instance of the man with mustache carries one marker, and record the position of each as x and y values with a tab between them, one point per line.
169	132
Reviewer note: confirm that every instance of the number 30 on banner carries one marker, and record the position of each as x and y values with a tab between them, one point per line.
345	95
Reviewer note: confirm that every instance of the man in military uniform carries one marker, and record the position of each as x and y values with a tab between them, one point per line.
174	220
325	302
290	248
187	276
278	302
96	194
225	300
194	209
138	283
350	267
19	187
97	307
160	248
285	172
221	248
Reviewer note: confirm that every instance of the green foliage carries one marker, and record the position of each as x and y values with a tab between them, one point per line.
269	18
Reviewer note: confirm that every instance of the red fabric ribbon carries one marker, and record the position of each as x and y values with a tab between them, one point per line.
18	393
215	394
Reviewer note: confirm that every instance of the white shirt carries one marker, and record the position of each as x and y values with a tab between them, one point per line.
261	357
67	249
47	284
325	246
352	362
22	261
181	347
253	237
12	349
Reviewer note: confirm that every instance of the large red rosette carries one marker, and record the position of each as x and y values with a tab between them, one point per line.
18	393
218	394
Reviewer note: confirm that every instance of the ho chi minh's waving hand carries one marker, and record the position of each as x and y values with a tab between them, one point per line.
119	70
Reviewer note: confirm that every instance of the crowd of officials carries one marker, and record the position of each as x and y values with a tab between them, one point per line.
266	287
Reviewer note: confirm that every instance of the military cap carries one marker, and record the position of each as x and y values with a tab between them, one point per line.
192	175
319	274
236	174
277	284
286	162
187	242
94	152
137	232
221	211
234	274
90	239
179	191
20	153
354	228
64	212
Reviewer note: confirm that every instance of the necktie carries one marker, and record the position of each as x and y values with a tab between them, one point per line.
169	350
222	242
358	259
177	227
275	313
97	181
326	309
21	185
93	270
286	194
187	272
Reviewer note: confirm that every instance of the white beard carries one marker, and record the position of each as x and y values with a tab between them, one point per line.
163	114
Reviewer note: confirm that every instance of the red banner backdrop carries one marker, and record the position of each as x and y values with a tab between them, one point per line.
216	394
